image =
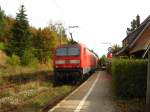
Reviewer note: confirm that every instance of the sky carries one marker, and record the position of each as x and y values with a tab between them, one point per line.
99	21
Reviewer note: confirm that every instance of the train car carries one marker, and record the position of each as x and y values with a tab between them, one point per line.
73	61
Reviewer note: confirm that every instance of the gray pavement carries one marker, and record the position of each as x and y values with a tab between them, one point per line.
92	96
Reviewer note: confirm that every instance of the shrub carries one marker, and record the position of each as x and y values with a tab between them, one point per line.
34	63
14	60
103	60
129	78
28	57
2	46
108	67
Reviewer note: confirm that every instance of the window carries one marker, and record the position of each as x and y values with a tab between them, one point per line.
68	51
61	52
73	51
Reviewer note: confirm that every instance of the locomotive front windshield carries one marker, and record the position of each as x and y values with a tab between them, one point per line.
73	51
61	52
68	51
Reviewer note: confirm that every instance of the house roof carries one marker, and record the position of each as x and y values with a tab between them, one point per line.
139	29
139	35
135	35
121	51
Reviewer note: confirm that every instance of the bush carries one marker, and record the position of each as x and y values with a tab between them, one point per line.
108	67
103	60
129	78
14	60
28	57
34	63
2	46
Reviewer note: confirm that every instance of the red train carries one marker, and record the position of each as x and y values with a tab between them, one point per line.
73	61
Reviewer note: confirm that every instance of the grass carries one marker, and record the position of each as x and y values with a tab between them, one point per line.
2	46
21	71
37	100
32	94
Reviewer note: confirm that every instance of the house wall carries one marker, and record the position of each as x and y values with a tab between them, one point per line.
144	39
125	42
142	42
145	36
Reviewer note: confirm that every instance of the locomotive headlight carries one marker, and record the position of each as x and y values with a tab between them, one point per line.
60	62
74	61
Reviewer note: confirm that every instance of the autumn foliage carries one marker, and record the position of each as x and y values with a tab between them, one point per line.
27	42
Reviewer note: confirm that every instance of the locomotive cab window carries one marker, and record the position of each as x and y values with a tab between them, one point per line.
61	52
73	51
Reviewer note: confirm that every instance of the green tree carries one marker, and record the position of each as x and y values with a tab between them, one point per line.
9	22
2	24
6	23
21	40
42	44
45	41
64	39
135	23
103	60
59	33
115	48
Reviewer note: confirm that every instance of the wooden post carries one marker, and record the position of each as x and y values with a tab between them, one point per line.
148	85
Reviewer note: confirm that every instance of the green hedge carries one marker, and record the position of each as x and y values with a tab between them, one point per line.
129	78
108	67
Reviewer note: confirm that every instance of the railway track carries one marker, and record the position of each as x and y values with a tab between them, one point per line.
7	86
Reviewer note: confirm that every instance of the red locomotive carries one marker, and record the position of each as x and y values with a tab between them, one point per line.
73	61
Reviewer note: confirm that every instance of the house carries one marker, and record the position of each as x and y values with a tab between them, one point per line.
137	41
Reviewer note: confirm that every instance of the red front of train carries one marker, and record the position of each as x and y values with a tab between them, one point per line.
76	58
